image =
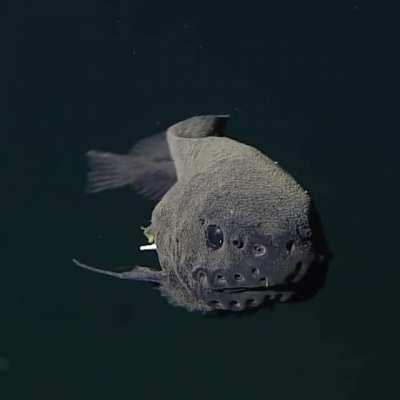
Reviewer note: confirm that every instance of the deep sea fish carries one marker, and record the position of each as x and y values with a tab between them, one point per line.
232	230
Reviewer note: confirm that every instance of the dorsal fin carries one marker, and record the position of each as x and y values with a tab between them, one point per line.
192	141
200	126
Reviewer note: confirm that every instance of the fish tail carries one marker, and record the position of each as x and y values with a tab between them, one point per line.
108	171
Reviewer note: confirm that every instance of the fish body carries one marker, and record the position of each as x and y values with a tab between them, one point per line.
232	229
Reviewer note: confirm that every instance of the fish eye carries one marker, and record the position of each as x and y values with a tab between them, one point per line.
215	237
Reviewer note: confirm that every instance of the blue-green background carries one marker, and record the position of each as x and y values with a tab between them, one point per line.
310	83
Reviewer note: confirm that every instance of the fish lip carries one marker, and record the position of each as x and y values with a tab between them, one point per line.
242	289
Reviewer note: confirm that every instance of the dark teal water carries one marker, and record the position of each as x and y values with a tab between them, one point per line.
309	83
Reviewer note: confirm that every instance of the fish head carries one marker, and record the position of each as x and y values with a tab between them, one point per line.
232	245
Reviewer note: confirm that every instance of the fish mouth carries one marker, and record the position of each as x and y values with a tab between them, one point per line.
244	289
245	298
250	285
228	294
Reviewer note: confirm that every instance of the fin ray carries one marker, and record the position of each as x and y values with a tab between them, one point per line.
107	171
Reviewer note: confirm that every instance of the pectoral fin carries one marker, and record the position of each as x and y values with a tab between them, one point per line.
137	273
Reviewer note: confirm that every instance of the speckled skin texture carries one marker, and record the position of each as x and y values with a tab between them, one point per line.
234	186
203	179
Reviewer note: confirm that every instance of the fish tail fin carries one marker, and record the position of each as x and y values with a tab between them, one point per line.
108	171
148	167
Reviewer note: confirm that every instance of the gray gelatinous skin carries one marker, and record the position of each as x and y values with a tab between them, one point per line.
261	211
231	226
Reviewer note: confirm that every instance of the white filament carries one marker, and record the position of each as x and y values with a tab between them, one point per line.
148	247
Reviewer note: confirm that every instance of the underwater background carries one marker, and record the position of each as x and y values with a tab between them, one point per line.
309	83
